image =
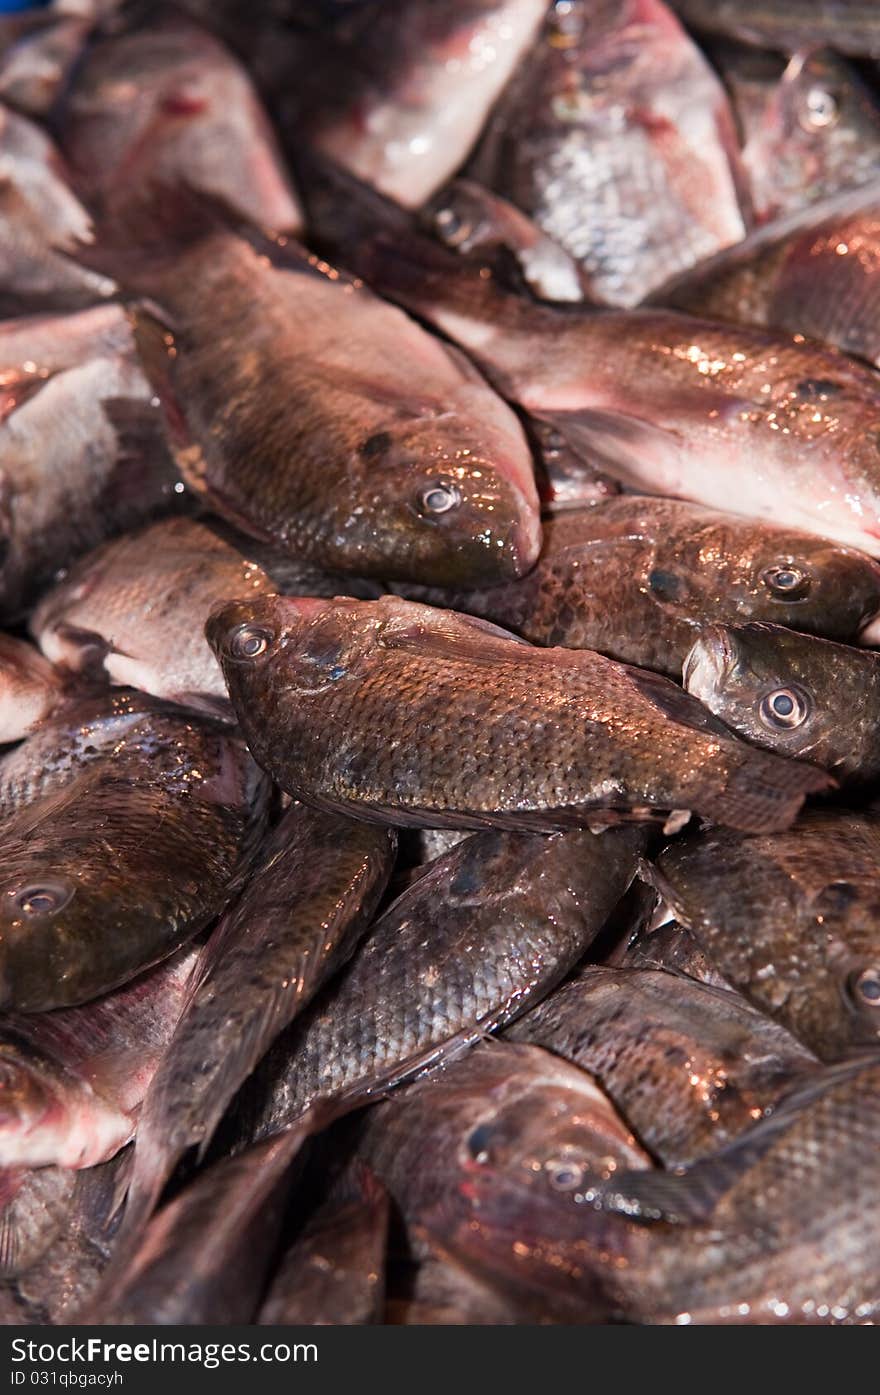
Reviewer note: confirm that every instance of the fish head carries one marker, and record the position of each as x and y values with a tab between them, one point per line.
428	507
35	900
834	996
795	694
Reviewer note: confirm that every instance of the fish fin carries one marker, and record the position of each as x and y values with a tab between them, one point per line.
154	341
611	439
138	427
461	639
764	795
674	702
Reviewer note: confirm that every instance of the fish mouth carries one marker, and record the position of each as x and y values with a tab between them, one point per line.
708	664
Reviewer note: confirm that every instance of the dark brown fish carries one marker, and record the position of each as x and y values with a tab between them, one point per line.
334	1272
130	824
616	137
689	1067
636	578
82	455
488	729
791	920
766	1231
794	694
308	901
815	273
483	932
513	1132
167	103
29	688
74	1080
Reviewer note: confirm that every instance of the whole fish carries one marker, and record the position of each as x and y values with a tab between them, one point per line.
795	694
112	613
73	1080
309	899
689	1067
41	222
671	948
732	417
616	137
168	103
763	1232
488	729
82	455
636	578
119	847
485	931
815	273
513	1132
419	81
314	415
29	688
790	920
334	1272
852	26
820	133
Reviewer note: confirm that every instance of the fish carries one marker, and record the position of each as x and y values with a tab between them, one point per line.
309	899
470	218
814	273
820	133
29	688
616	137
637	578
486	930
513	1132
308	412
672	948
850	26
790	920
112	613
763	1231
488	730
794	694
119	847
42	223
82	450
688	1066
732	417
74	1080
167	103
416	86
333	1274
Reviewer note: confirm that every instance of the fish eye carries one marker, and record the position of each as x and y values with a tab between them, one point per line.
478	1143
786	581
453	229
44	898
784	709
249	642
821	109
563	1174
863	987
439	498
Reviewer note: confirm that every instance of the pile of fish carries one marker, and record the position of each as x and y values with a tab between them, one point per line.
440	576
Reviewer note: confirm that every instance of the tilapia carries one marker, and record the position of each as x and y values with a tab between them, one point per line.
129	825
334	1272
815	273
419	81
168	103
309	899
764	1231
820	134
514	1133
734	417
689	1067
488	729
82	453
41	224
794	694
310	413
484	932
29	688
851	26
73	1080
616	137
636	578
791	920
